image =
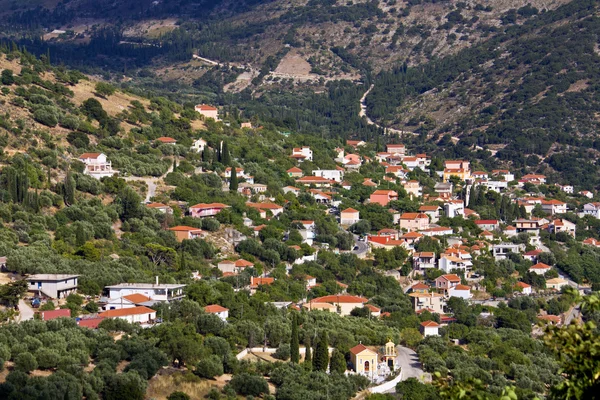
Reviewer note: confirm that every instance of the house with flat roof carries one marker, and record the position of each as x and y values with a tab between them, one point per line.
97	165
55	286
157	292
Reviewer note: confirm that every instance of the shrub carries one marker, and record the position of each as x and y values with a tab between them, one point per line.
249	385
209	367
283	352
46	117
25	362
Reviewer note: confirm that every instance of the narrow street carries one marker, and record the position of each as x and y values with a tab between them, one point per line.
25	311
408	360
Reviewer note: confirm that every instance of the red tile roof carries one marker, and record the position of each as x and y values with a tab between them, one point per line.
165	139
359	348
340	299
215	308
137	298
89	155
429	324
126	311
61	313
91	323
183	228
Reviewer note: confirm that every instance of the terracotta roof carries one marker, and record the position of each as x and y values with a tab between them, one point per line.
294	169
183	228
411	216
264	206
60	313
215	308
91	323
522	285
429	324
350	210
372	308
384	193
137	298
156	205
450	277
206	107
359	348
462	287
552	318
89	155
317	179
202	206
126	311
412	235
539	266
340	299
165	139
486	222
255	282
419	285
429	208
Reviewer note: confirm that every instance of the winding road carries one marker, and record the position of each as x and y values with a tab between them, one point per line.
408	360
363	113
151	183
25	311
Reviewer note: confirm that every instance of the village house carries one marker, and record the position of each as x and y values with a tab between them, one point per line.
344	303
502	251
199	145
355	143
157	292
163	208
128	301
488	224
554	206
397	170
396	149
586	193
421	161
206	209
295	172
183	232
540	268
97	165
432	302
315	181
592	242
386	242
291	189
562	225
135	315
556	283
419	288
462	291
433	212
411	238
458	168
54	314
233	267
532	225
336	175
166	140
444	189
454	208
383	197
246	125
302	153
592	209
319	196
565	188
207	111
450	263
55	286
423	261
217	310
349	216
444	283
414	221
437	231
256	282
532	255
413	188
534	179
523	288
430	328
480	175
503	174
275	209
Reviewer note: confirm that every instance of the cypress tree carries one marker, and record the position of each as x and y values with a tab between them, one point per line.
308	354
174	164
69	189
233	181
321	359
337	362
295	341
225	158
80	238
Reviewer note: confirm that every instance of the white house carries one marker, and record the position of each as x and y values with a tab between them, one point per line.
155	291
97	165
554	206
135	315
349	216
336	175
207	111
592	209
540	268
234	267
218	310
462	291
586	193
302	153
430	328
450	263
454	208
55	286
198	145
525	288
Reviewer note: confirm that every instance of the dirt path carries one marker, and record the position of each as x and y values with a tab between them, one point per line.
363	113
151	183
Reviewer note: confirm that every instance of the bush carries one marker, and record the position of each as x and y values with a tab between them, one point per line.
249	385
210	224
209	367
104	89
25	362
283	352
46	117
178	396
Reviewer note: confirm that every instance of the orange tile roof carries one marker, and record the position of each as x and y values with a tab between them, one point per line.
429	324
183	228
350	210
165	139
206	107
209	205
215	308
126	311
89	155
137	298
294	169
540	266
340	299
359	348
264	206
451	277
156	205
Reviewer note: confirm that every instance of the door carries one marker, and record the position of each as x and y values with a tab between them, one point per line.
367	366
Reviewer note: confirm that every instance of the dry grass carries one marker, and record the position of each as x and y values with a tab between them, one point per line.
113	105
168	380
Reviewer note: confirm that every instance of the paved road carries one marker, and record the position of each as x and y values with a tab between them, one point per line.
25	312
572	314
408	360
363	247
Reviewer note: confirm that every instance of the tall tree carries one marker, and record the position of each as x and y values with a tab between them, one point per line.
308	354
295	341
337	362
233	181
69	189
225	157
321	359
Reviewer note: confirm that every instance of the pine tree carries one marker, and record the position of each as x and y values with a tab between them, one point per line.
308	354
337	362
295	341
233	181
321	359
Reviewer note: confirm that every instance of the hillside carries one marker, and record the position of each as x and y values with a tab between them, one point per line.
528	95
